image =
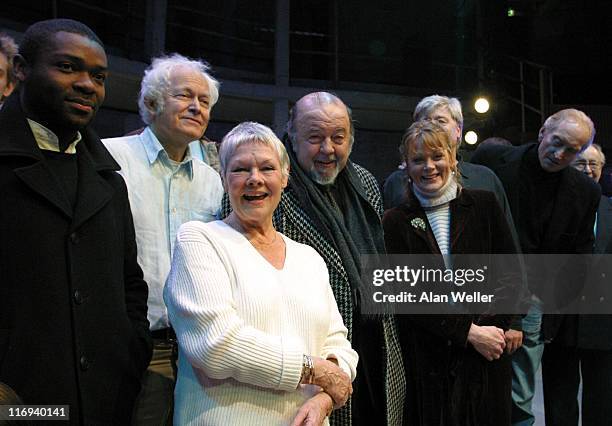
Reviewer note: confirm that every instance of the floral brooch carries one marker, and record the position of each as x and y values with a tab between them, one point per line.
418	223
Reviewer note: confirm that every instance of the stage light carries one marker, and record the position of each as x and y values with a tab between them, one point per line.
471	137
481	105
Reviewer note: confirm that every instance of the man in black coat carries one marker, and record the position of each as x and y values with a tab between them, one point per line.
73	313
589	358
553	207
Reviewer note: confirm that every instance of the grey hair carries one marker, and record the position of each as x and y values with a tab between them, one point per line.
156	82
321	98
600	152
428	105
9	48
247	133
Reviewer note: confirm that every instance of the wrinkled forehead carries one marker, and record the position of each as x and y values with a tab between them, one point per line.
329	116
184	76
571	131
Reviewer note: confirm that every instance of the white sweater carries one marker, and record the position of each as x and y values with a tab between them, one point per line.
243	326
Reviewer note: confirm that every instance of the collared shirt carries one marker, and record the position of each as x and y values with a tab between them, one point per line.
163	195
47	140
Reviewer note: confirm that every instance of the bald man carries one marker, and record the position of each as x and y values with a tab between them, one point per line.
553	206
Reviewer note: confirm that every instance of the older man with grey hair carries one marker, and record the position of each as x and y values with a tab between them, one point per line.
167	187
554	208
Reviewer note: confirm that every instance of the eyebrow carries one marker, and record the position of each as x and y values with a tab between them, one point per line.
76	59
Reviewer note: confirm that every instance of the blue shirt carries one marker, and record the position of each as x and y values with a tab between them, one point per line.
163	195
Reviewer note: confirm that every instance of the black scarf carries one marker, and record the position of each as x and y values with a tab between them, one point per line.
339	225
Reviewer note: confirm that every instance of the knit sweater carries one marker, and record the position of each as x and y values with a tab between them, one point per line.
243	325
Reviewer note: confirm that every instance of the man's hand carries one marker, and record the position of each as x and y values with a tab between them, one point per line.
333	380
488	340
314	410
514	340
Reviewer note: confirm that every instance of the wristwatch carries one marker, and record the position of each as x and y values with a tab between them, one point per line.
307	370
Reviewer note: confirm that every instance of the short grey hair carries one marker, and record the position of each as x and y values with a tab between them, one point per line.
156	82
321	98
428	105
600	152
247	133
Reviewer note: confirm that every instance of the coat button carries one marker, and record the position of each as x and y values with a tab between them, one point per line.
84	363
74	238
78	297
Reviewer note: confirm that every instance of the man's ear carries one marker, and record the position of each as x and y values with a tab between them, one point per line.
7	90
541	134
21	68
151	106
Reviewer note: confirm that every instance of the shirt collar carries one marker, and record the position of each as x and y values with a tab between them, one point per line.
48	141
155	151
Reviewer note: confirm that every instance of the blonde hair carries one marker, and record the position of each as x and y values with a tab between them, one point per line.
433	137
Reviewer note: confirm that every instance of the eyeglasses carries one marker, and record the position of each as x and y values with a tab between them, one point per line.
593	165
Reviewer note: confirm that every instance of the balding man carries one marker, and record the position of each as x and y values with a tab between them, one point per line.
334	205
553	206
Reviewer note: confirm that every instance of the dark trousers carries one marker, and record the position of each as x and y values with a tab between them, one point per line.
562	367
155	403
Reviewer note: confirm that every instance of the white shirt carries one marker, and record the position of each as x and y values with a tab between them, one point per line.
163	195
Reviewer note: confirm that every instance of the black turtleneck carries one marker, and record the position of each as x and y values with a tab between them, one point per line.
538	192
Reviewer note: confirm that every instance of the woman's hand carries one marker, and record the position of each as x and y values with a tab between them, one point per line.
488	340
314	410
332	379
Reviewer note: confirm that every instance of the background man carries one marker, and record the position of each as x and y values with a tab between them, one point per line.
589	357
8	49
167	187
554	210
73	313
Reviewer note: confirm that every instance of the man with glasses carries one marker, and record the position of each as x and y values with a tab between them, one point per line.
167	186
554	210
590	359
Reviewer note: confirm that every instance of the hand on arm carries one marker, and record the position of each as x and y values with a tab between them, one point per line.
314	411
488	340
332	379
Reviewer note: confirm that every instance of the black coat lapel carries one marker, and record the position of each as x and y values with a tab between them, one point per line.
39	179
93	192
459	216
17	141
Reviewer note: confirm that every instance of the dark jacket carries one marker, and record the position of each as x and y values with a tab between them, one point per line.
73	313
449	383
570	228
595	331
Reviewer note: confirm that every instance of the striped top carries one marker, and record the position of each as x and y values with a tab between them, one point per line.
439	220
